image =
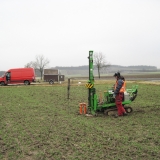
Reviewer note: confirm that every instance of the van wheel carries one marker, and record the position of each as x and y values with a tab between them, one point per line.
51	81
26	83
2	83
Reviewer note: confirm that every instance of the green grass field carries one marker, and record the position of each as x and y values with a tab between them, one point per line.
40	123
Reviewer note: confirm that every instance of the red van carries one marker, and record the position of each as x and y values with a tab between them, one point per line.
18	76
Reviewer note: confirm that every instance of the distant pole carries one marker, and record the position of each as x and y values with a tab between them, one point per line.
68	88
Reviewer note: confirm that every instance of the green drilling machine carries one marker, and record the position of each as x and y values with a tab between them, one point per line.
107	104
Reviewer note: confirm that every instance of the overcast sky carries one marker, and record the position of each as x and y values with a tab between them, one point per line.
127	32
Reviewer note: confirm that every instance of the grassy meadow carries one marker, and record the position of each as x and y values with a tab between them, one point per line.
38	122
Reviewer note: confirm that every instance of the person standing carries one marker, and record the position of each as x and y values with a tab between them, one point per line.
119	89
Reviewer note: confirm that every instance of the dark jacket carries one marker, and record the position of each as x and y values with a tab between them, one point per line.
120	82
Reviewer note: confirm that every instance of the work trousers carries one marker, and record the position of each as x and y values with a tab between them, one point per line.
118	99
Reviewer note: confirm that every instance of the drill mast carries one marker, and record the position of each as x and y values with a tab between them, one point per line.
92	97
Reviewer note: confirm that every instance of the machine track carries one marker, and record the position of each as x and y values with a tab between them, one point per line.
113	111
110	112
128	109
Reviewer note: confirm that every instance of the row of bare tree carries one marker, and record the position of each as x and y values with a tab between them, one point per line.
41	62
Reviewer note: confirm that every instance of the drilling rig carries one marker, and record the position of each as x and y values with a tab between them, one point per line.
107	105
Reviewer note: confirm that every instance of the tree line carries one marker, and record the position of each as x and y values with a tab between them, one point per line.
41	62
100	65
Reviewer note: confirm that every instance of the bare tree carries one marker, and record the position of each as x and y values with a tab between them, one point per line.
28	65
31	64
41	63
100	62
